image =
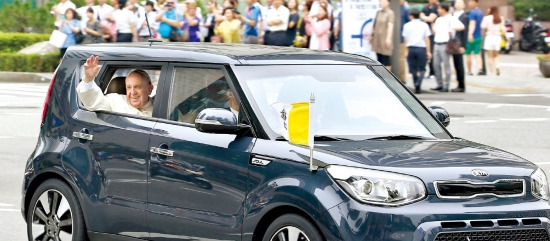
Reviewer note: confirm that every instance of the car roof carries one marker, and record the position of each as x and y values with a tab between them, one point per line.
237	54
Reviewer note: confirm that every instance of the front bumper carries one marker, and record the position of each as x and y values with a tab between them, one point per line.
435	219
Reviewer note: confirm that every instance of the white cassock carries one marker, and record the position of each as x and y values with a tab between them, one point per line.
93	99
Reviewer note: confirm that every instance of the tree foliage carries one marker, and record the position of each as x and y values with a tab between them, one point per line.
22	17
540	8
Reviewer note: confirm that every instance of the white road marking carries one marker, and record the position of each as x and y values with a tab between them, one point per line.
494	106
6	205
542	163
6	137
9	210
22	104
519	65
21	92
526	95
21	113
481	121
526	119
8	96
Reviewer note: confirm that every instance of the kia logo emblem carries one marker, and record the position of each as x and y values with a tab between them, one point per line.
480	173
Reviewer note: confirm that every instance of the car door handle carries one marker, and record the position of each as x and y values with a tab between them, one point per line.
83	135
161	151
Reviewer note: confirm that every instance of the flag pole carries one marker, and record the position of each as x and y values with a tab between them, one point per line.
311	130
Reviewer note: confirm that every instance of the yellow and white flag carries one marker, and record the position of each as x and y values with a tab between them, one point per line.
297	121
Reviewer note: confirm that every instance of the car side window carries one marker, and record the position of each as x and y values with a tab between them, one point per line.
195	89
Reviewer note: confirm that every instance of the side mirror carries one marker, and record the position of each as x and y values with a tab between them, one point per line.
441	115
217	120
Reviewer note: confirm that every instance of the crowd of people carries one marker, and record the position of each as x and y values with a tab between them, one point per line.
310	24
313	24
427	33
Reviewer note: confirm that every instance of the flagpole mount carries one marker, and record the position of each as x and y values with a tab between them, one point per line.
312	167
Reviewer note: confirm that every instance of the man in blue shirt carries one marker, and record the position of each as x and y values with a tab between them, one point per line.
250	20
474	36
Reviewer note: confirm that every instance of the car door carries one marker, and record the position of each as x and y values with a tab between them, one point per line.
197	181
108	156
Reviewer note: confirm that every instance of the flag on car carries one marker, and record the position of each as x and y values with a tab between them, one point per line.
297	121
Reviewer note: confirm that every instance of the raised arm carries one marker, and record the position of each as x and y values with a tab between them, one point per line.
91	68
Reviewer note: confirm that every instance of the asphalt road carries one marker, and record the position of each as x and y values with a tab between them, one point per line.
518	123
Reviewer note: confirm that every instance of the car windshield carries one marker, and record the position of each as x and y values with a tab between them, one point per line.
351	102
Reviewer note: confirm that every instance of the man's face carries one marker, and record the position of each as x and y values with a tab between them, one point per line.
441	11
459	4
170	4
101	2
137	90
384	3
472	4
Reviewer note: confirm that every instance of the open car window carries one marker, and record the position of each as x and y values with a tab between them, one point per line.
112	81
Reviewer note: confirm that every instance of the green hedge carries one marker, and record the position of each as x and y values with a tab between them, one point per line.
28	62
540	7
13	42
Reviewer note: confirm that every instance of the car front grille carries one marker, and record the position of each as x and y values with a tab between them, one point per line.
499	235
464	189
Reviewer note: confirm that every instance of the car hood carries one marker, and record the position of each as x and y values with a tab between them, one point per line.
429	160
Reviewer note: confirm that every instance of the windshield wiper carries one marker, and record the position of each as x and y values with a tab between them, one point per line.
398	137
329	138
318	138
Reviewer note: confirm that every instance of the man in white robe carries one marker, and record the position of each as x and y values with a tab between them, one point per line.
135	102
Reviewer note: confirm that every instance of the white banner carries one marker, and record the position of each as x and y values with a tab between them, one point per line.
357	22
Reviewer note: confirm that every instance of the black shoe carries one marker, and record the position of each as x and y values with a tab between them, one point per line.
481	72
417	90
457	90
444	90
437	88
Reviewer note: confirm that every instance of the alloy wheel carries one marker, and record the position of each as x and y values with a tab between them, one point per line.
289	233
52	217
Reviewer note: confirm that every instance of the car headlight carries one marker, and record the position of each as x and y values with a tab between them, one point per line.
378	187
539	185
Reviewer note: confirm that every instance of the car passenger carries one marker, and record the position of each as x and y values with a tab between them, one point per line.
135	102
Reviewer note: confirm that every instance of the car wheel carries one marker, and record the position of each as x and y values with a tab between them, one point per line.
54	214
291	227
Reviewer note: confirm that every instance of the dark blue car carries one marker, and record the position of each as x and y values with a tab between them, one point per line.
201	167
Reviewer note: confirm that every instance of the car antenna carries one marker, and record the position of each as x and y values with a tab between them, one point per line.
151	39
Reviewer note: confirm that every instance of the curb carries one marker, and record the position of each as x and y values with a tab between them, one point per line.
25	77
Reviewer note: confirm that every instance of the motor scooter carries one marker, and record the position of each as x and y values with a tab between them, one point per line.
534	36
508	42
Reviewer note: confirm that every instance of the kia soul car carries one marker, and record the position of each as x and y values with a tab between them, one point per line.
383	166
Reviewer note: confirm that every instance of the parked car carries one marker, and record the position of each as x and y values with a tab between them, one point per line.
385	166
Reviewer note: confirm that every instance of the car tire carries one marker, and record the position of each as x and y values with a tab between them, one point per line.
292	227
54	211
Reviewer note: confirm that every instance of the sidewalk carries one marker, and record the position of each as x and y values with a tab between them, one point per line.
519	74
